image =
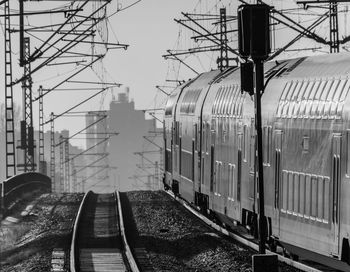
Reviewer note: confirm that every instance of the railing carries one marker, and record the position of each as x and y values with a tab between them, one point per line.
14	187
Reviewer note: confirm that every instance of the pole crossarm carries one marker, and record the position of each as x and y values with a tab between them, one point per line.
61	51
312	26
40	51
216	40
40	12
184	63
296	26
66	79
77	105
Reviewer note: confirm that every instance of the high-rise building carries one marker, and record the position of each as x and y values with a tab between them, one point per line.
135	150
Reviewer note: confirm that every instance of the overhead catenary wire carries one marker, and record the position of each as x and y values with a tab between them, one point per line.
79	132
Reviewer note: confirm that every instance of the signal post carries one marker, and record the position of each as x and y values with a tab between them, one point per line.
254	44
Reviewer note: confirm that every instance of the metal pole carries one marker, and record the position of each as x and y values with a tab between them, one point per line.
52	155
61	167
21	34
42	163
259	86
9	117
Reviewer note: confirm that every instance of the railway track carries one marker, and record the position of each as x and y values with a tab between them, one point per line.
98	240
314	267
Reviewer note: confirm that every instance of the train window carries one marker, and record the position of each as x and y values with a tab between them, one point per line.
347	150
302	194
207	133
227	100
290	91
292	101
231	181
284	190
306	144
239	103
327	89
323	109
214	109
333	90
223	101
222	89
314	198
339	90
320	195
233	100
252	143
307	195
326	201
345	91
245	140
299	98
312	103
290	191
285	90
218	176
296	193
305	98
319	90
267	138
204	138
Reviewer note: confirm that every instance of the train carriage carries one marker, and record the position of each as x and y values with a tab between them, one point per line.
311	134
306	142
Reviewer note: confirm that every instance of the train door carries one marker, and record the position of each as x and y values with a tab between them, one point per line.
196	159
176	147
278	177
336	177
239	166
252	158
212	160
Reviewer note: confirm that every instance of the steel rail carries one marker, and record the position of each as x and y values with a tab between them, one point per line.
240	239
73	248
128	253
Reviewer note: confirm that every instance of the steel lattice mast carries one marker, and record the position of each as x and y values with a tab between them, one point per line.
28	133
9	117
52	154
42	164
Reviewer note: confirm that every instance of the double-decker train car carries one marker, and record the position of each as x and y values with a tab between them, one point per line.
210	157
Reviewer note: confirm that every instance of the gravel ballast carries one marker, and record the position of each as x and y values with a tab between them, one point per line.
27	245
175	240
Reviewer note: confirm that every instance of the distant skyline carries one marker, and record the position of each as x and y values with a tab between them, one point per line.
149	28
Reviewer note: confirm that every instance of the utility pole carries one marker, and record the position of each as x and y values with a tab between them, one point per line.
223	61
74	177
9	117
61	166
42	162
333	27
27	131
52	154
66	167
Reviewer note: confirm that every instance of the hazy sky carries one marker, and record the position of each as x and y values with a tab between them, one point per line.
149	28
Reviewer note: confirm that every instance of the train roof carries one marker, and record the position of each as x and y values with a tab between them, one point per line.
314	87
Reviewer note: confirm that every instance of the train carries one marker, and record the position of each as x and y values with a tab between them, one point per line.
210	154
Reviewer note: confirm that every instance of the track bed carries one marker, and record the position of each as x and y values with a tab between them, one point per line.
98	243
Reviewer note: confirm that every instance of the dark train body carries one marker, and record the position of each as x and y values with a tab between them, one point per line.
209	139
